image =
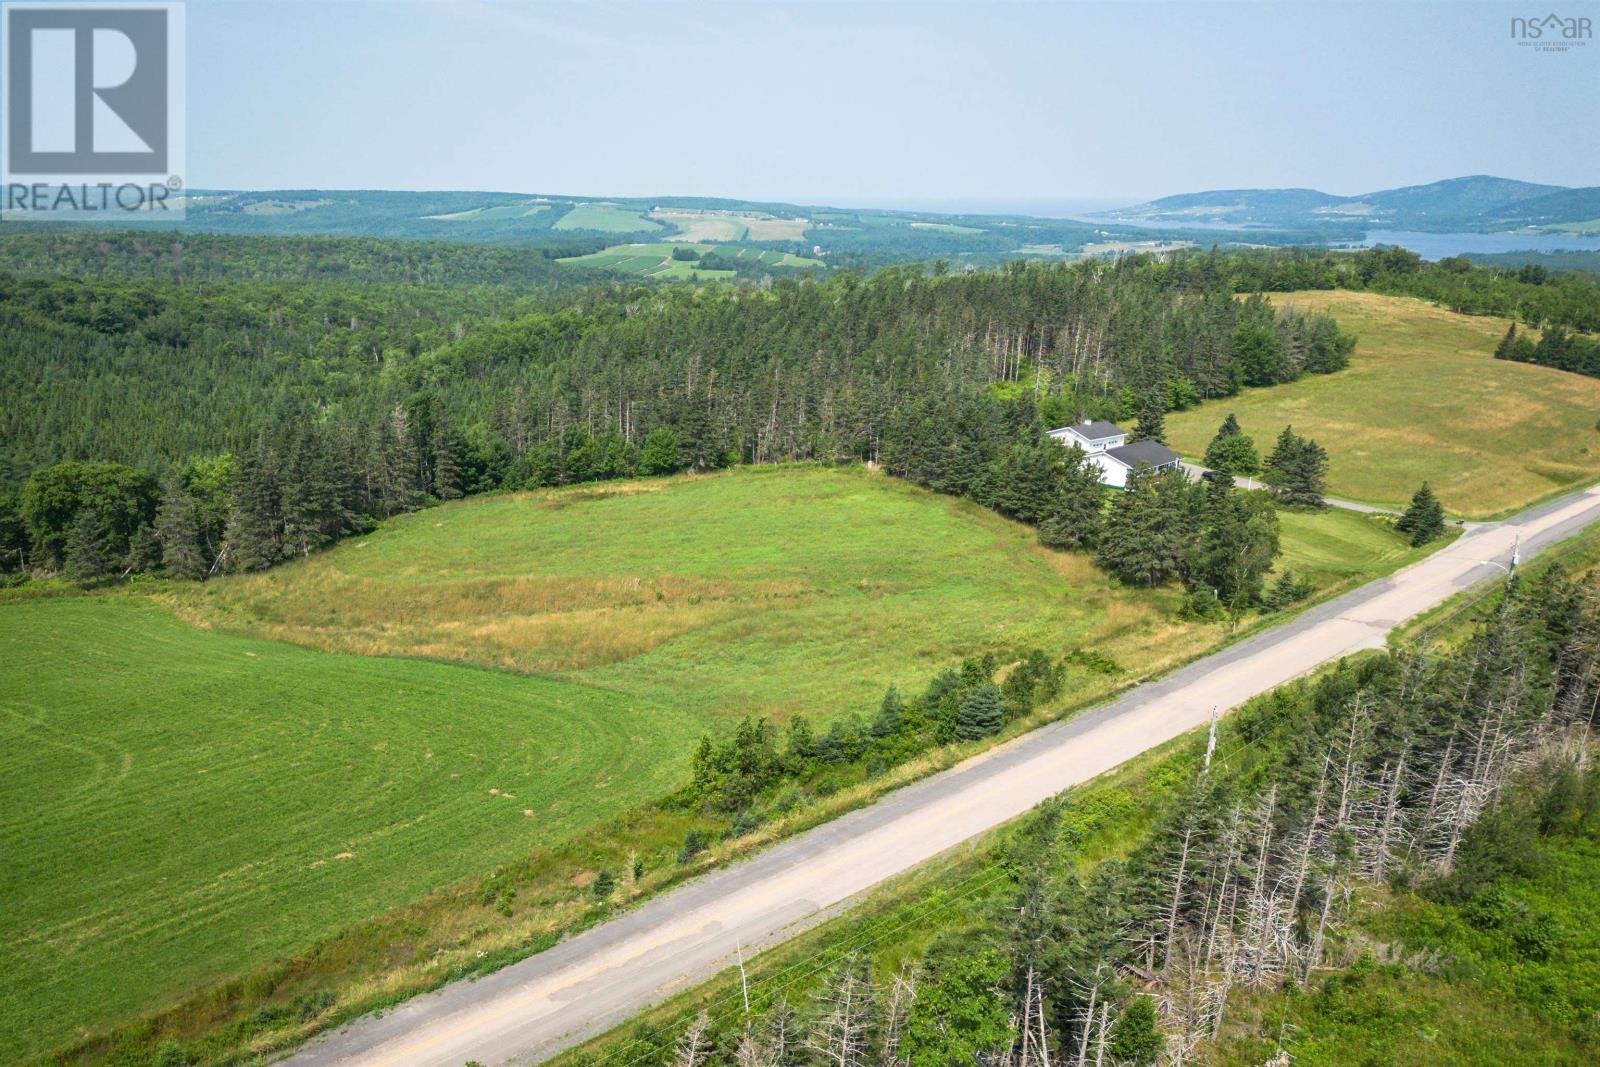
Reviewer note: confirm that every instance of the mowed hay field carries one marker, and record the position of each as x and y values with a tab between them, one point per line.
1423	399
177	804
771	590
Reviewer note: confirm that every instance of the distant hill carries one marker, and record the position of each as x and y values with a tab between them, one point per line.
1479	202
760	236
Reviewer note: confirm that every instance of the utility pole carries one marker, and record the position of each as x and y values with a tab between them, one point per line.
1211	739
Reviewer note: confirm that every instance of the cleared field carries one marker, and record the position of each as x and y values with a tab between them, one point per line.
1338	547
183	803
702	226
176	804
775	591
607	218
1423	399
498	213
777	229
945	227
189	802
655	260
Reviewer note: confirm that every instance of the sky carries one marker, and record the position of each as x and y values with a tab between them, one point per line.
880	103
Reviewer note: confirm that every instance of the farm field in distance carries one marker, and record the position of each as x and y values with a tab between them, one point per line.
655	260
608	218
1423	399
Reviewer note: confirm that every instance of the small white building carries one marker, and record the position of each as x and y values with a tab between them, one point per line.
1105	444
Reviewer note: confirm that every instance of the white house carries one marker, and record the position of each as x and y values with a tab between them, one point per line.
1105	445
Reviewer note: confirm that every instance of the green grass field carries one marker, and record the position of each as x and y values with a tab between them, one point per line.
607	218
1338	547
176	803
183	804
1423	399
775	590
472	682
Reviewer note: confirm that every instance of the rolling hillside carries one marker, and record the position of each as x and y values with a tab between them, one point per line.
1480	202
1423	398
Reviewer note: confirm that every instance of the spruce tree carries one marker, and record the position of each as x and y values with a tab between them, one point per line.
1151	424
1148	530
1507	348
889	714
981	714
89	553
1073	519
1231	451
178	531
144	551
1423	520
253	538
660	452
1297	469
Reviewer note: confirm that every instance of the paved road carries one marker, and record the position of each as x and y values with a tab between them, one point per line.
1195	470
533	1009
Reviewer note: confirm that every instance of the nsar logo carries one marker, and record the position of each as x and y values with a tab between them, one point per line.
1552	33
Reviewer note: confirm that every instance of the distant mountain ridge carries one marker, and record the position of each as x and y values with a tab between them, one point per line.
1477	202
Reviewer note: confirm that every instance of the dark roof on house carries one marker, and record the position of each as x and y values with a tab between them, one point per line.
1154	453
1095	431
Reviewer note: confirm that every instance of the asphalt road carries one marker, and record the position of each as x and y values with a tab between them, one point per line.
548	1002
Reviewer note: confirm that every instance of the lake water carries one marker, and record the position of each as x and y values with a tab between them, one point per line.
1443	245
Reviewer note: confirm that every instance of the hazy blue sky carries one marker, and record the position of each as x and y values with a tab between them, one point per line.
879	102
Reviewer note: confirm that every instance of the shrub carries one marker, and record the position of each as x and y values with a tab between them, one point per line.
694	843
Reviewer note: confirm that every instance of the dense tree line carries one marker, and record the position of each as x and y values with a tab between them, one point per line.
1556	348
1527	293
1427	768
44	251
331	406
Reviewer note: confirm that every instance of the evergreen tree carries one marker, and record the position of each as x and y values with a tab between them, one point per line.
1423	520
89	554
1259	355
1507	348
253	538
1151	424
1237	544
1297	469
1148	530
144	551
603	886
1231	451
178	531
1074	517
887	722
981	714
1135	1040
